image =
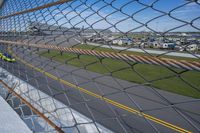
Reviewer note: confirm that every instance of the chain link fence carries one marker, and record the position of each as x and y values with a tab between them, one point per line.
102	65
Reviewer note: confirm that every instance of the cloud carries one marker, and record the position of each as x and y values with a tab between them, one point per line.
92	19
189	8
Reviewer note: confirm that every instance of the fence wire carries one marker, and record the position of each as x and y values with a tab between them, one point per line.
103	65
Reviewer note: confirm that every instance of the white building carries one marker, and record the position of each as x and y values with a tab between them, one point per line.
154	44
164	45
167	45
122	41
192	47
179	48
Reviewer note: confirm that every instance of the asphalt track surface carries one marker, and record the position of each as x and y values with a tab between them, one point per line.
109	115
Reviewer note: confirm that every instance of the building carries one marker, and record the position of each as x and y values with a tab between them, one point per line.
179	48
167	45
154	44
192	47
123	41
37	28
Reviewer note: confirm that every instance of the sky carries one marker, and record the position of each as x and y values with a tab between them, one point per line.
119	15
131	15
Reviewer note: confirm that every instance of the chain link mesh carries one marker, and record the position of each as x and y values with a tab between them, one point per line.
103	65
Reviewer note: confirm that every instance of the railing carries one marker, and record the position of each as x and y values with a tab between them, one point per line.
123	65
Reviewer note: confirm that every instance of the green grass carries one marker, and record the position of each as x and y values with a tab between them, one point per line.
123	70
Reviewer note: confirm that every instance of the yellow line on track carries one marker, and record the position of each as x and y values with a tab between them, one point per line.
114	103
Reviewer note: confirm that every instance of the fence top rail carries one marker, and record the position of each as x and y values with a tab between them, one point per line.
33	9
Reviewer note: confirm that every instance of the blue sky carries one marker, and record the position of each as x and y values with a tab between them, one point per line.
120	15
125	16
